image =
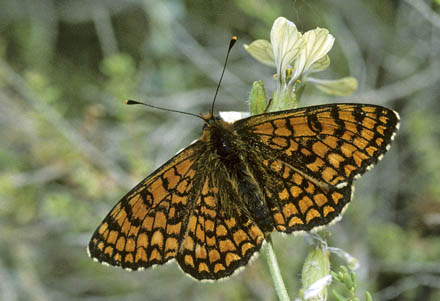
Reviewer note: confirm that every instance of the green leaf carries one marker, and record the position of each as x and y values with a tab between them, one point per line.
368	296
257	98
354	278
316	268
338	296
348	281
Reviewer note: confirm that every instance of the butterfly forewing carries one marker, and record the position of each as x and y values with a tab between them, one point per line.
145	227
329	144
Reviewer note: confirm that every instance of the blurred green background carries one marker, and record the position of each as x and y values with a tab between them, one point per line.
70	148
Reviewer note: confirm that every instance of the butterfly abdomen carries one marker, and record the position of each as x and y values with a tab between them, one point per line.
255	203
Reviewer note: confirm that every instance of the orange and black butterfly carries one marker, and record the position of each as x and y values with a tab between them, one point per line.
212	205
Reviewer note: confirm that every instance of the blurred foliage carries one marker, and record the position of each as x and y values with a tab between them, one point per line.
70	148
346	285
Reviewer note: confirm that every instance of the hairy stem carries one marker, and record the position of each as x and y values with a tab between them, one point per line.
277	279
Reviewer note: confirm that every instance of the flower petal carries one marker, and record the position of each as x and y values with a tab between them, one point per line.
262	51
298	66
320	65
315	290
286	42
233	116
318	43
341	87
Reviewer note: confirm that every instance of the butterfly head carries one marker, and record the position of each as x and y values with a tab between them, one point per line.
212	125
209	119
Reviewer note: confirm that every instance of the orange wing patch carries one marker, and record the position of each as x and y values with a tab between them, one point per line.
154	223
216	243
331	143
144	228
296	202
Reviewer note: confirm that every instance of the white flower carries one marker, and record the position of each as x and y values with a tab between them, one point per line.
315	290
296	55
318	43
287	43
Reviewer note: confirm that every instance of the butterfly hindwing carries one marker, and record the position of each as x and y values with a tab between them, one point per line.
219	239
296	202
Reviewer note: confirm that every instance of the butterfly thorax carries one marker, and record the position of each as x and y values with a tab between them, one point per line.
228	152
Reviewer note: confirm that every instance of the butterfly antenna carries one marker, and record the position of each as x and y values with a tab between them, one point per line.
231	44
134	102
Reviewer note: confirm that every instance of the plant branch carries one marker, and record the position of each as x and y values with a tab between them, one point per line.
274	268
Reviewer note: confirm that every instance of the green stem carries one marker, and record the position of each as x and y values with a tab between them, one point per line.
277	279
258	103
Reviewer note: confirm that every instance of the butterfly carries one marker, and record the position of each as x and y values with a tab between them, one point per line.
212	205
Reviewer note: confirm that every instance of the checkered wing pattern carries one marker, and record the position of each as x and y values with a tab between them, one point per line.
329	143
176	213
297	202
219	239
145	227
312	155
